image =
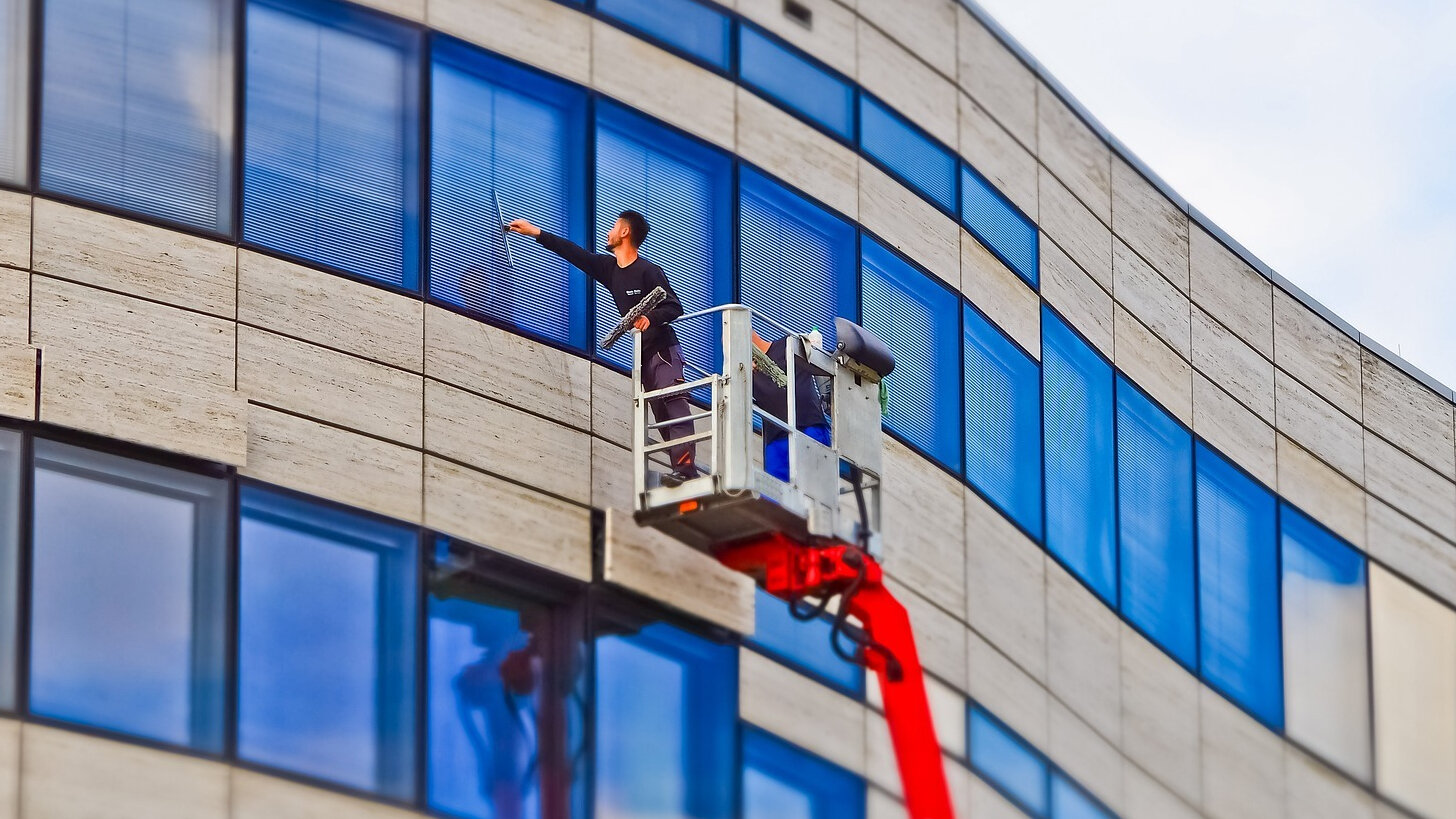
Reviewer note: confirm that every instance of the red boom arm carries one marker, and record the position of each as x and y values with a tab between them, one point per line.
790	570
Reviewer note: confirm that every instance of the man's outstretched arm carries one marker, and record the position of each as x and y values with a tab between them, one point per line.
577	255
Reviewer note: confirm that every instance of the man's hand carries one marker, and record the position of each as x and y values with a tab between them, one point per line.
524	228
642	323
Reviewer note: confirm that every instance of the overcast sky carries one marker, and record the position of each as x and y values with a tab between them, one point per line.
1321	134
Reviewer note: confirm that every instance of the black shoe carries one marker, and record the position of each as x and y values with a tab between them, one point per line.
677	478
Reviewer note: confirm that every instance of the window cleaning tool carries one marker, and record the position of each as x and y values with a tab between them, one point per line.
505	231
649	301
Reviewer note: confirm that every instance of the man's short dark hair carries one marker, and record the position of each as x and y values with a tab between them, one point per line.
637	226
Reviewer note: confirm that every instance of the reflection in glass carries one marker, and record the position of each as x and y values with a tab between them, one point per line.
784	782
485	706
1006	761
1413	641
1155	523
137	106
1326	676
326	649
1077	422
14	89
128	596
1238	578
666	710
804	643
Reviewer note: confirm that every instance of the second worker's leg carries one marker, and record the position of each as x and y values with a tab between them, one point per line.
664	370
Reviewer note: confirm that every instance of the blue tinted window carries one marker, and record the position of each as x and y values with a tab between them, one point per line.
918	319
485	708
1006	761
907	151
137	106
1077	424
784	75
14	90
326	643
783	782
1155	522
1003	422
999	226
685	191
686	25
797	259
1238	595
804	643
665	722
129	601
506	137
330	169
1071	802
11	463
1324	589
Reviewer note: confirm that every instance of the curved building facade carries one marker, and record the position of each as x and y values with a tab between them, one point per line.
304	467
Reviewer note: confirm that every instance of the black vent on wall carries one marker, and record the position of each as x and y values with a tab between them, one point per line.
799	13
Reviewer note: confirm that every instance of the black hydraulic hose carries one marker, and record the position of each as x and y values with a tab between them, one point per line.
861	640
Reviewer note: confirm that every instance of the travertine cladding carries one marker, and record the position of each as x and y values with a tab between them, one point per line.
1006	592
1075	229
1243	763
150	262
1318	354
910	224
1154	366
1224	357
831	39
1001	295
1320	491
1083	645
926	28
1150	297
1160	716
1087	756
1318	426
1006	690
996	154
906	84
15	213
1076	296
1231	291
14	306
663	85
1074	154
1234	430
1150	224
996	78
798	154
549	35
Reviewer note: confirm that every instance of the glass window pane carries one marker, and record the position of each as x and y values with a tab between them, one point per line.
803	643
331	166
1003	422
128	591
781	781
14	90
486	706
909	152
1077	423
666	710
685	191
999	225
1006	761
783	74
326	642
137	106
1413	645
918	319
1238	580
11	462
798	264
509	138
1071	802
1326	675
1155	521
686	25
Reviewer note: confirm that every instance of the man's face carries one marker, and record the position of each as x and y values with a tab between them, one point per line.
617	235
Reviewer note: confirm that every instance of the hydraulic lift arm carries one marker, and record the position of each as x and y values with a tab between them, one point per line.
792	571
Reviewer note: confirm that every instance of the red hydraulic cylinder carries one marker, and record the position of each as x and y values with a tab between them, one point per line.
791	570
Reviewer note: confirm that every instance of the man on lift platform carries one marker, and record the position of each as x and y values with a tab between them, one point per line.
770	397
630	277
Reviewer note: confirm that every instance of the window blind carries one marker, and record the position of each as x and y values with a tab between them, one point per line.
331	162
137	107
1003	422
503	134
